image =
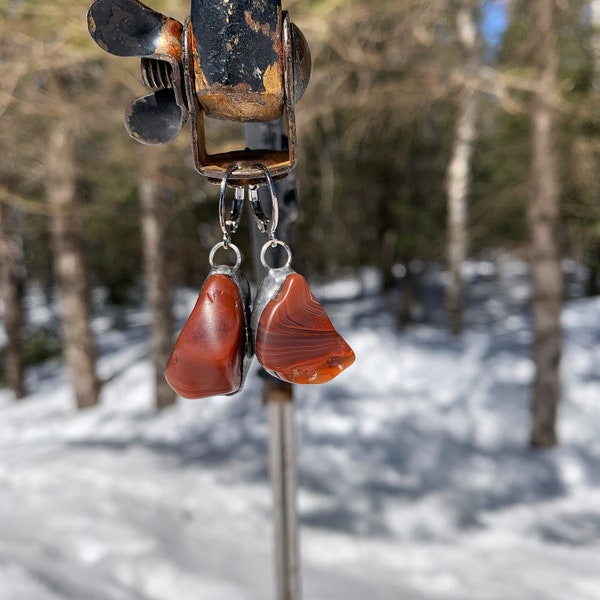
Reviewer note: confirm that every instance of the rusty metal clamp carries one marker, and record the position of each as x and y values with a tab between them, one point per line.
238	60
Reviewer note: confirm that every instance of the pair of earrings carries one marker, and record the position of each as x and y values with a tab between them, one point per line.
286	327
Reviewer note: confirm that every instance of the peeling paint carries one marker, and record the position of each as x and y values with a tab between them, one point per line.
265	28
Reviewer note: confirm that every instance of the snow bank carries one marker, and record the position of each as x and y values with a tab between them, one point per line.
416	481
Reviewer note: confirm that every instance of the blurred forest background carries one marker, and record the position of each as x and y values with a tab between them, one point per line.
422	137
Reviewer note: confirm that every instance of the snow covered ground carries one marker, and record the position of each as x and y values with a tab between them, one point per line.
416	481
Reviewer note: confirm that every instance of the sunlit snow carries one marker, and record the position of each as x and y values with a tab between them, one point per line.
416	481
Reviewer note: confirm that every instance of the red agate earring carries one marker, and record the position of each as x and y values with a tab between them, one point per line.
294	339
214	349
288	329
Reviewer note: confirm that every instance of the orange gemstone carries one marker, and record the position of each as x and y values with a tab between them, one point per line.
295	339
207	357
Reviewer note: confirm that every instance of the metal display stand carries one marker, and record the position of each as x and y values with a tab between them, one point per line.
278	396
243	61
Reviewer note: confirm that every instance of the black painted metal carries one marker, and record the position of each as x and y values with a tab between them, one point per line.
240	60
155	118
125	27
234	40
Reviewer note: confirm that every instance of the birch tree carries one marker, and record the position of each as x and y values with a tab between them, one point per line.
544	222
459	169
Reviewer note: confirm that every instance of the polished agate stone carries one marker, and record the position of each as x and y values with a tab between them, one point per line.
296	341
207	357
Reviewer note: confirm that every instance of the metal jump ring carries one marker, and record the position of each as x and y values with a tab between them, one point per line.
228	246
273	244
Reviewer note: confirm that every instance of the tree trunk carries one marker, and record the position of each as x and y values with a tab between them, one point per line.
593	283
593	279
595	43
159	291
459	173
544	221
12	272
70	268
408	300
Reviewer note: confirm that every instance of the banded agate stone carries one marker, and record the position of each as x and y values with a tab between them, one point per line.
296	341
207	357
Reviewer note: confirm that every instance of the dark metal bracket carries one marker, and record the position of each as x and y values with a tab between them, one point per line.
238	60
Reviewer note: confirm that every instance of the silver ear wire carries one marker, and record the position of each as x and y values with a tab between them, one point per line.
266	224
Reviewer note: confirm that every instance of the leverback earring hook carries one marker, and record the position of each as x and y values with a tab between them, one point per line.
230	225
265	224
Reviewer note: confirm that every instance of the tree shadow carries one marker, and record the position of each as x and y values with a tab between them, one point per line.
365	461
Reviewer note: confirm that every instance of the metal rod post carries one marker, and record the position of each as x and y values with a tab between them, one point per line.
283	477
278	396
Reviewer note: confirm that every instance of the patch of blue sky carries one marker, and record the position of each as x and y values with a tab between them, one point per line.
494	21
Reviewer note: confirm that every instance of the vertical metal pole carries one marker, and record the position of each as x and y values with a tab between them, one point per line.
278	396
283	477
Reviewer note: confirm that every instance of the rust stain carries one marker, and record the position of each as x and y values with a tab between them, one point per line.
273	79
239	103
170	41
201	83
265	28
200	80
277	36
274	160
